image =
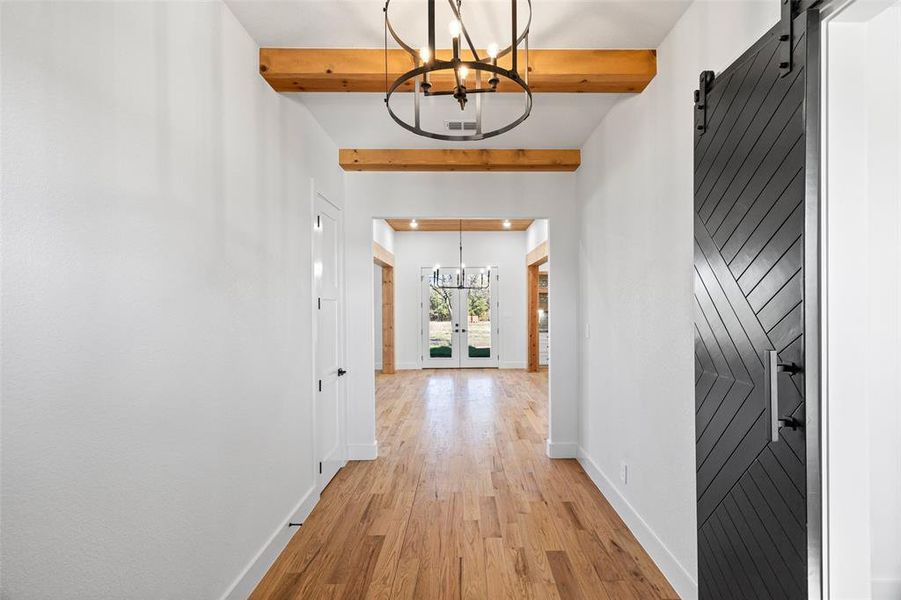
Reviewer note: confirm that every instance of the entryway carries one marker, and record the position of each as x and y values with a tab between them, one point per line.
457	326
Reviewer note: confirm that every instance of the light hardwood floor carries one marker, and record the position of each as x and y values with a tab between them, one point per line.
463	503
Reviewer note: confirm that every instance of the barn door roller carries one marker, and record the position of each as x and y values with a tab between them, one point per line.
786	37
704	82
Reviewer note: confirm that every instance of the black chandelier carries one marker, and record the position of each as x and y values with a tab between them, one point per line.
426	62
458	280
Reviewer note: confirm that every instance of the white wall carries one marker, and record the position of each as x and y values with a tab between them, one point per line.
536	233
155	300
637	373
848	422
489	195
504	249
383	234
884	297
863	291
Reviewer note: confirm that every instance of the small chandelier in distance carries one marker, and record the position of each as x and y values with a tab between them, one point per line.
427	62
459	281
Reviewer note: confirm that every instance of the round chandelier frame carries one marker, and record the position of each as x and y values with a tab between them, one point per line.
427	63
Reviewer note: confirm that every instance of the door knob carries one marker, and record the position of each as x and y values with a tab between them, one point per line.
341	372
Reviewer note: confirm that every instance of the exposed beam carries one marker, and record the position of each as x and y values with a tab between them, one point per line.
352	159
457	224
363	70
537	255
381	256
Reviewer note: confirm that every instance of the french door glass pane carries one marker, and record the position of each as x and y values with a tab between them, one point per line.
478	328
441	309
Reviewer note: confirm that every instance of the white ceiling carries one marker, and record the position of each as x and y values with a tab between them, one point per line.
557	120
555	23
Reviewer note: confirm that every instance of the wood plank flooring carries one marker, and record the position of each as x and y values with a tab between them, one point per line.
463	503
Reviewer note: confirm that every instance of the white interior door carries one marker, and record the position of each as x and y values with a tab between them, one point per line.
459	326
328	341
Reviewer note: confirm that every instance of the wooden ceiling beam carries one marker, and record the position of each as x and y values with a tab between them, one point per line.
363	70
354	159
381	256
537	255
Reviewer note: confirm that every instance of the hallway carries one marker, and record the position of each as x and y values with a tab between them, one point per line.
463	503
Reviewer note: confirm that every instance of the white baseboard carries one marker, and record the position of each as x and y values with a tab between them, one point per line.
562	449
886	589
408	366
244	585
672	569
363	451
512	364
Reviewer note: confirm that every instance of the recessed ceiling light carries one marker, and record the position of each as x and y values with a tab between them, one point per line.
507	224
413	224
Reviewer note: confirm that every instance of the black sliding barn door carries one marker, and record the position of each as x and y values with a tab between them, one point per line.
750	168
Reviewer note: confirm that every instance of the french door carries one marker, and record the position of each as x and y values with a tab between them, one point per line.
753	233
459	326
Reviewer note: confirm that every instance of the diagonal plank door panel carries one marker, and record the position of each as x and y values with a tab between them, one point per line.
749	227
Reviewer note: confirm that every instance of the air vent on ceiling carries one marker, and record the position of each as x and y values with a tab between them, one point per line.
460	125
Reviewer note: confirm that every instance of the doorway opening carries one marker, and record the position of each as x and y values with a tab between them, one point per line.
861	299
451	333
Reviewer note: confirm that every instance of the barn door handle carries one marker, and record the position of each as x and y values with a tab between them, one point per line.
790	368
790	422
772	368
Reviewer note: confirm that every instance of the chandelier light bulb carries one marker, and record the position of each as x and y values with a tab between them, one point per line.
455	28
424	54
492	50
464	72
